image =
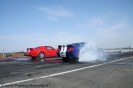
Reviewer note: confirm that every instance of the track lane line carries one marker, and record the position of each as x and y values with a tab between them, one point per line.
61	73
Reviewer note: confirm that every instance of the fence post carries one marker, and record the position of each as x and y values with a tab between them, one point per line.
3	54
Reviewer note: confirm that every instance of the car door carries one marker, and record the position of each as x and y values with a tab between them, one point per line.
50	51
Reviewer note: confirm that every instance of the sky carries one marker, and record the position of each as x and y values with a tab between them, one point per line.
32	23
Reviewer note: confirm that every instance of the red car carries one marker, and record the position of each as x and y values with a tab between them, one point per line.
41	52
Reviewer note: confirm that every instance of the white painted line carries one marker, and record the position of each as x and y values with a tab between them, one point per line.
26	80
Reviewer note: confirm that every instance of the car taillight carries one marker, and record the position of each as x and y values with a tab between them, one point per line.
29	49
70	49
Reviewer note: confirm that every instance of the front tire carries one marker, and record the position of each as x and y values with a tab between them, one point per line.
41	55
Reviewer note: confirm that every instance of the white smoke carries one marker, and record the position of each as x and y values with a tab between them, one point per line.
90	52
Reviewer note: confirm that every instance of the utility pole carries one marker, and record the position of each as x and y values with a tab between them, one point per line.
3	54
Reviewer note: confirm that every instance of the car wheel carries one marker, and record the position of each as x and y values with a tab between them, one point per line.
41	55
65	59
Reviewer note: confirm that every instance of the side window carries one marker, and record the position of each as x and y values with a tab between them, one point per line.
49	48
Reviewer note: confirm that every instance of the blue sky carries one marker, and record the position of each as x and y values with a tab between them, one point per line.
32	23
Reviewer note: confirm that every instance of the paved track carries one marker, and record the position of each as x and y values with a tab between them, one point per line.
29	74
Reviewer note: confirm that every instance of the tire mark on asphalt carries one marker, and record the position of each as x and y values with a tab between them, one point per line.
12	68
65	72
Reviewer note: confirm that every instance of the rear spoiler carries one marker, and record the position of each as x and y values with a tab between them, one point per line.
59	45
30	48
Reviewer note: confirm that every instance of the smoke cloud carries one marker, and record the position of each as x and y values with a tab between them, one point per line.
90	52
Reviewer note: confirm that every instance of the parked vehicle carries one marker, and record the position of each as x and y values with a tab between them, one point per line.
71	52
9	55
41	52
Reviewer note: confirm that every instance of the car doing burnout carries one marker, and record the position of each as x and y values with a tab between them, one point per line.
71	52
41	52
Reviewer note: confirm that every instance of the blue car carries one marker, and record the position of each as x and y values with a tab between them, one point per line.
71	52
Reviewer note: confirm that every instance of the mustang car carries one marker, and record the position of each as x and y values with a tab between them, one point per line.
71	52
41	52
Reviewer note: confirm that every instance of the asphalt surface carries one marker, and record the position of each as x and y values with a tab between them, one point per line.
115	72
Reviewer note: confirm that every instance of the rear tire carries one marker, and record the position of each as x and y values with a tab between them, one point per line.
41	55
